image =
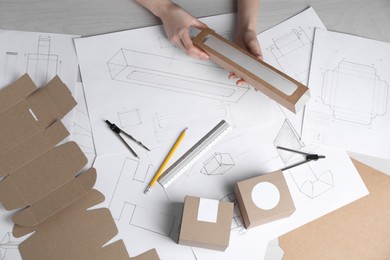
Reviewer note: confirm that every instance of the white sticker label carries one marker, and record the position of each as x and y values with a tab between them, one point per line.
265	195
208	210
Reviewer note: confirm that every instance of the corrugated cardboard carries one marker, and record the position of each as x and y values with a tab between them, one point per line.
31	149
360	230
253	215
294	101
42	176
23	118
74	233
44	179
58	200
149	255
205	234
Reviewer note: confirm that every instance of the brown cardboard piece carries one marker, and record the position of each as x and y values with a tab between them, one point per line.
42	176
74	233
205	234
277	202
149	255
360	230
245	66
44	179
33	148
22	119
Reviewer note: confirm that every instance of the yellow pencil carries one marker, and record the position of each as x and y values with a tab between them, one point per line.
165	162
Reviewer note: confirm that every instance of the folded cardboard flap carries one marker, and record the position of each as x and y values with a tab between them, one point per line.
74	233
360	230
275	84
16	92
42	176
149	255
57	200
32	149
28	117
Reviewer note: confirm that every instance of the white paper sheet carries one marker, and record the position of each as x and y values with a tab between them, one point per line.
349	82
8	243
42	56
81	130
147	221
288	47
145	85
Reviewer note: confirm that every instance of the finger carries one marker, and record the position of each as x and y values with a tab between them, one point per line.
192	50
254	48
232	75
240	82
198	24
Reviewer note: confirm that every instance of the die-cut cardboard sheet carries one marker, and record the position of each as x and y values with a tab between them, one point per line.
360	230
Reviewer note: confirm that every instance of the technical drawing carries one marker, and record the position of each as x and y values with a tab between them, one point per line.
237	221
165	123
42	66
126	66
81	130
370	93
10	67
148	219
310	182
130	118
8	243
129	205
218	164
292	51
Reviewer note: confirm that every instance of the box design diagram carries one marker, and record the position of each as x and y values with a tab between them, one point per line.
206	223
263	199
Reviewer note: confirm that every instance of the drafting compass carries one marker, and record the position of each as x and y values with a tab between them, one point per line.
308	157
119	131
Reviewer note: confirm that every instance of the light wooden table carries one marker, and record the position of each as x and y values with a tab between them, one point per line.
367	18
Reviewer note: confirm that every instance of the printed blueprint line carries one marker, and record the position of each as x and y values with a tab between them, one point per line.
370	93
123	67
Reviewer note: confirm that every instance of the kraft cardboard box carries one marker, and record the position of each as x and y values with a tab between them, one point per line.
263	199
206	223
275	84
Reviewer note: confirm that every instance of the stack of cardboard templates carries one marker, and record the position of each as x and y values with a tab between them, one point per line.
44	180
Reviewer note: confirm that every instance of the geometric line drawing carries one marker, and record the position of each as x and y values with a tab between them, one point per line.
166	123
370	92
311	183
42	66
141	175
292	51
151	220
218	164
8	243
148	219
123	66
288	138
10	67
237	221
130	118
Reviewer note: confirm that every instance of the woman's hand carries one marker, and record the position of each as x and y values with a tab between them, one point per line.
177	23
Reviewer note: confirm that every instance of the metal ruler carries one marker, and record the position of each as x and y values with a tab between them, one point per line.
194	153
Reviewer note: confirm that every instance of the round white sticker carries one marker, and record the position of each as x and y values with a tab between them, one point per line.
265	195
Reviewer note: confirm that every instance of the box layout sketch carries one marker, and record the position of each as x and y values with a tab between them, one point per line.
369	91
127	66
292	51
43	64
218	164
